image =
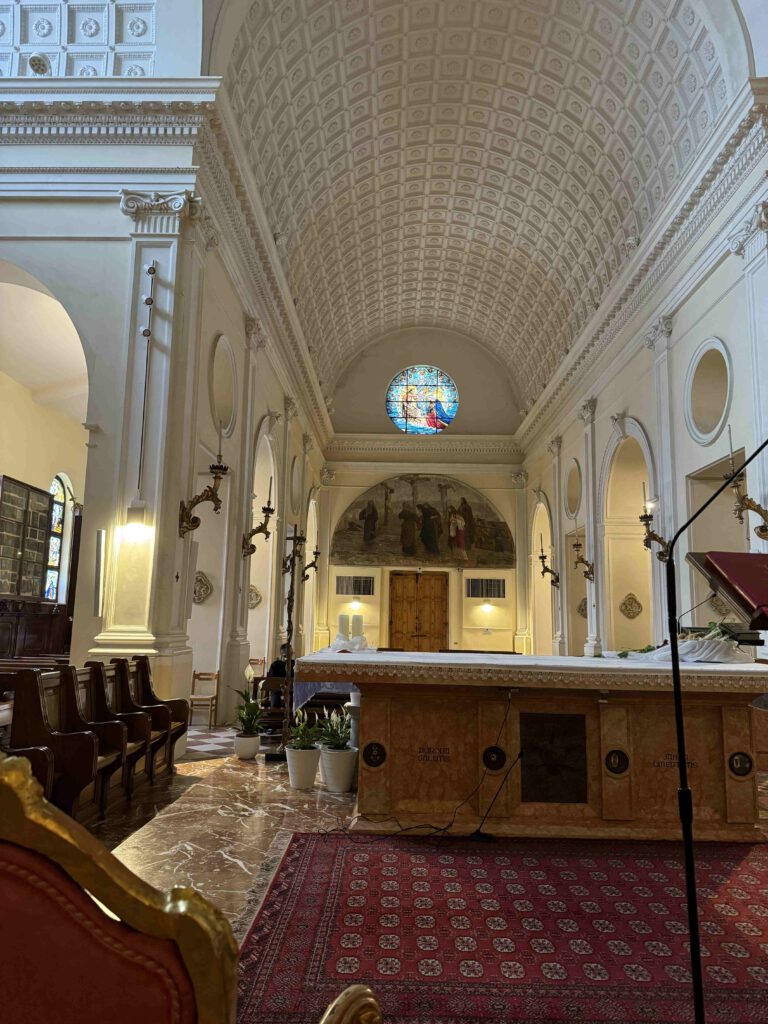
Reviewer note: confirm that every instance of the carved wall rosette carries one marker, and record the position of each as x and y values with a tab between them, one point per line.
631	607
203	588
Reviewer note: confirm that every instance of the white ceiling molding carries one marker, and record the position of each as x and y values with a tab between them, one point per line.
477	448
482	166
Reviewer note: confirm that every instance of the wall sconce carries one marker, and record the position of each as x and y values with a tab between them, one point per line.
313	565
555	581
651	536
487	607
589	567
743	501
263	527
188	522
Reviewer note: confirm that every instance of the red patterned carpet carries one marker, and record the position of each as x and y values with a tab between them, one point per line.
511	931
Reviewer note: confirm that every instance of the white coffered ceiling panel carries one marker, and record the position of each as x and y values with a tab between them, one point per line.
485	165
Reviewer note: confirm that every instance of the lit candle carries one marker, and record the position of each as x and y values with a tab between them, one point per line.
645	500
730	445
220	429
269	496
357	625
344	626
541	540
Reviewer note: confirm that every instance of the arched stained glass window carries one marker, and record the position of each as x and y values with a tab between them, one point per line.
55	537
422	400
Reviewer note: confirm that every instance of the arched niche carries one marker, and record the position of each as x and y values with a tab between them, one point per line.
542	613
262	563
222	385
407	520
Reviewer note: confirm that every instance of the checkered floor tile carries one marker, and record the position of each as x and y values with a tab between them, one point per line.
204	743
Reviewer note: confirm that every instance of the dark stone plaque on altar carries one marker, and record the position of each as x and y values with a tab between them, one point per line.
554	763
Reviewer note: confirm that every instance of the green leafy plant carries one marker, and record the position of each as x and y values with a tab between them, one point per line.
303	735
335	730
637	650
248	714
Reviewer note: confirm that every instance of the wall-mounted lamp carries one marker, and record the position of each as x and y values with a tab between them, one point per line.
188	522
355	605
313	565
589	567
651	536
743	501
487	607
545	569
263	527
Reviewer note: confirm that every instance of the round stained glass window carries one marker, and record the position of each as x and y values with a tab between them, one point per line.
422	400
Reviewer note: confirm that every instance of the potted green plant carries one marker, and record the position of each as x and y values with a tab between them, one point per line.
338	759
302	752
249	716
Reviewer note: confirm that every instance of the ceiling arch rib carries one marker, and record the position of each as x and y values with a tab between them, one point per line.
482	164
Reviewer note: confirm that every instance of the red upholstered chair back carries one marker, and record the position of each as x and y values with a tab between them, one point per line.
138	956
64	960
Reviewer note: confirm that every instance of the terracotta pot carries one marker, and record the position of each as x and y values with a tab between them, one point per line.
247	747
339	768
302	767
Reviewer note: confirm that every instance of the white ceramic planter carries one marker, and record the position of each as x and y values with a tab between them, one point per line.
247	747
338	767
302	767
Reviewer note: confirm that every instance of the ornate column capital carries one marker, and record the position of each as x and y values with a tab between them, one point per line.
273	418
291	408
255	335
661	329
161	213
327	476
555	445
307	443
618	424
587	411
739	242
520	480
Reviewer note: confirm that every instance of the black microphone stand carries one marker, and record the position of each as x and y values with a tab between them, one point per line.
684	799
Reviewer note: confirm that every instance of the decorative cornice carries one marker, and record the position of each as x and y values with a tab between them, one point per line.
758	222
485	448
587	411
737	158
661	329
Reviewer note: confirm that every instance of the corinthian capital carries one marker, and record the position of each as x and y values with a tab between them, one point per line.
661	329
308	443
255	334
751	227
327	476
554	446
291	407
587	411
520	480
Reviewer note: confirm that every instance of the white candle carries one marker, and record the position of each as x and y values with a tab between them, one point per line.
220	429
730	445
645	500
344	626
357	625
541	539
269	496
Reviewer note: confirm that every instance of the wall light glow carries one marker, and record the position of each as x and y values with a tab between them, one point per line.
487	607
355	605
136	533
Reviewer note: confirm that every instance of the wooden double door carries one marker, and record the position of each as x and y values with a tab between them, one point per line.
418	611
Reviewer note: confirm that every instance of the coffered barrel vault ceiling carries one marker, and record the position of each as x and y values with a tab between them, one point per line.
485	166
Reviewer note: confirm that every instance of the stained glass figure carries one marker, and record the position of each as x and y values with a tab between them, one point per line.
422	400
57	490
54	551
51	584
57	518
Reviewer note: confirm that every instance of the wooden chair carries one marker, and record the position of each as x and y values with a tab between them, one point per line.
205	694
162	957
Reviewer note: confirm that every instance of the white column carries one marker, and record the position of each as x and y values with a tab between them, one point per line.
594	643
522	570
145	583
325	632
658	341
559	639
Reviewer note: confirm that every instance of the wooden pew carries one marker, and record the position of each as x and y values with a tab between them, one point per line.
75	754
127	700
102	708
178	706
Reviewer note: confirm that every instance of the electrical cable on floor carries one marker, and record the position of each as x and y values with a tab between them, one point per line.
434	830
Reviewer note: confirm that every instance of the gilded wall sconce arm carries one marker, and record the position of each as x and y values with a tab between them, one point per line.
545	569
652	537
589	567
744	504
311	565
263	527
188	522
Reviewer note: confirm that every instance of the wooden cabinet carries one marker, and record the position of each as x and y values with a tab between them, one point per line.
25	517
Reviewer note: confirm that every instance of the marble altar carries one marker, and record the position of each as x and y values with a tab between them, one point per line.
439	733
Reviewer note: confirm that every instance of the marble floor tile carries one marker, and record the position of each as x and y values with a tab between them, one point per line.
225	834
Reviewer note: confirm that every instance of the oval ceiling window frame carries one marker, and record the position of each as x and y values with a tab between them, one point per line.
706	438
296	481
220	339
573	514
397	382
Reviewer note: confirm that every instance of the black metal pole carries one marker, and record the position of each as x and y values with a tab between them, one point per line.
684	798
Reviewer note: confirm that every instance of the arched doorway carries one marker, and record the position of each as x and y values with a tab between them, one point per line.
44	398
310	585
628	587
262	561
542	623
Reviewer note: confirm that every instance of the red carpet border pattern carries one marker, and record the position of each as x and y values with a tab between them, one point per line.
447	932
